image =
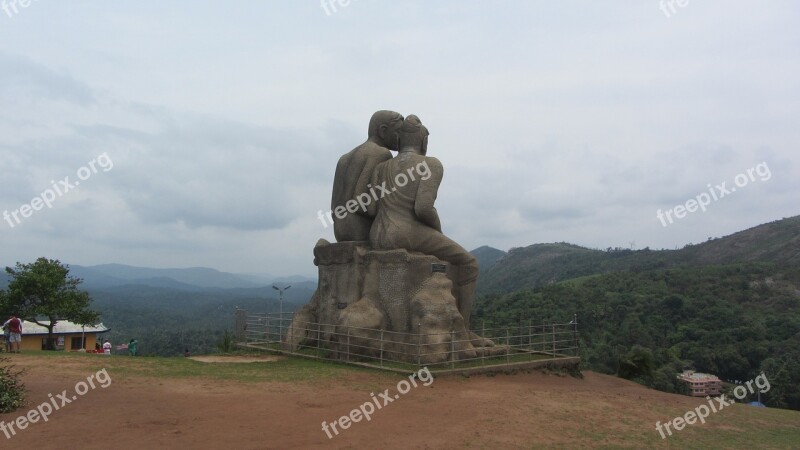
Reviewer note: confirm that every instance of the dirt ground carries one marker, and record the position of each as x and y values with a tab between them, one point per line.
234	359
524	410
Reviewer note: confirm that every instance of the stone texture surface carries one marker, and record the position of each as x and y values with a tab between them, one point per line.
362	292
394	283
353	173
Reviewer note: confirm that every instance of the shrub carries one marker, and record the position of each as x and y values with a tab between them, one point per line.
12	391
225	344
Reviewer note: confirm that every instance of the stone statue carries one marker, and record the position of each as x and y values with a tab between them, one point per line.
353	173
393	285
407	217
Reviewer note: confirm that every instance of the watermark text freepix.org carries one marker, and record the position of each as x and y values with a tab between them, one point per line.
53	404
329	5
49	195
714	405
668	6
10	6
374	404
365	199
703	199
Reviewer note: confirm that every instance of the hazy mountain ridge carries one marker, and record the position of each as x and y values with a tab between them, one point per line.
195	279
203	277
487	257
542	264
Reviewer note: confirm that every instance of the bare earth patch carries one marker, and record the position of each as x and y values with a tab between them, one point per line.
236	359
523	410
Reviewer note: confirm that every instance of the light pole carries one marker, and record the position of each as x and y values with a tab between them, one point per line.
280	314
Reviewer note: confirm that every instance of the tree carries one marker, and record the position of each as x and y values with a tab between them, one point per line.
43	293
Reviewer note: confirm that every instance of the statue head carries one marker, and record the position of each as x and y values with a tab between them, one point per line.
414	134
383	128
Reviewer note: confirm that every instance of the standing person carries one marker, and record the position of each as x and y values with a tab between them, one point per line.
14	333
7	336
107	347
132	347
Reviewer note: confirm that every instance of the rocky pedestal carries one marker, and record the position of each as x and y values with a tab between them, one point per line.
394	302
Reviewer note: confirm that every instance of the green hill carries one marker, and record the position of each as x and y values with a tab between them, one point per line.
542	264
734	321
487	256
730	306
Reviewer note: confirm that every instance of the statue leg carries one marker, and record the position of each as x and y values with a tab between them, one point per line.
431	242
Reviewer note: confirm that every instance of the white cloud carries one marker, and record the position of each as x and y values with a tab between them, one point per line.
555	122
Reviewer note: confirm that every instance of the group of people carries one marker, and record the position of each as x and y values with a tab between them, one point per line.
105	347
133	347
12	332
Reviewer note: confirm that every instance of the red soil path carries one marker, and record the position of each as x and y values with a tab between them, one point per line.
524	410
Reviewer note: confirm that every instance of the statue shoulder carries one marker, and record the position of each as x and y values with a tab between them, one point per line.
372	150
433	163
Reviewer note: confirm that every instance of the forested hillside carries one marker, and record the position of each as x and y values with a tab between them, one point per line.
542	264
487	257
733	320
167	321
168	315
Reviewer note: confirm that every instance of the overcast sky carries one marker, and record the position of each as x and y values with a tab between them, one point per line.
223	121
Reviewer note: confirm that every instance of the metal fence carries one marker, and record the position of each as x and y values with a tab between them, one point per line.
442	351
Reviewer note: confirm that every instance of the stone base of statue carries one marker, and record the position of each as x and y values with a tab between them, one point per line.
390	304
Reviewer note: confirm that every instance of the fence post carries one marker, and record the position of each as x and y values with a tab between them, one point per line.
483	352
419	344
381	348
554	340
530	335
348	344
240	325
575	332
319	338
544	338
452	349
290	336
508	351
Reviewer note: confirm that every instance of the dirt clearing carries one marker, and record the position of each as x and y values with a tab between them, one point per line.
524	410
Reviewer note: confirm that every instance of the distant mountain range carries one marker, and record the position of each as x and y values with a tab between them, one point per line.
543	264
522	267
189	279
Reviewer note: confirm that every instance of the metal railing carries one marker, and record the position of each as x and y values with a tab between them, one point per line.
403	350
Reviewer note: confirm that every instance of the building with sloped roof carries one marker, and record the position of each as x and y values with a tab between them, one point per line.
69	336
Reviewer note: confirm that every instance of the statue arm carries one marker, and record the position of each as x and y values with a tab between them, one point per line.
338	181
426	195
372	208
367	177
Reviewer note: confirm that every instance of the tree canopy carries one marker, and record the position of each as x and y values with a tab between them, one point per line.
42	292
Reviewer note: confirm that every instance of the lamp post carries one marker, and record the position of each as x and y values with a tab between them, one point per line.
280	314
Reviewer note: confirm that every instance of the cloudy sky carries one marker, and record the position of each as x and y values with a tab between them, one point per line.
214	128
